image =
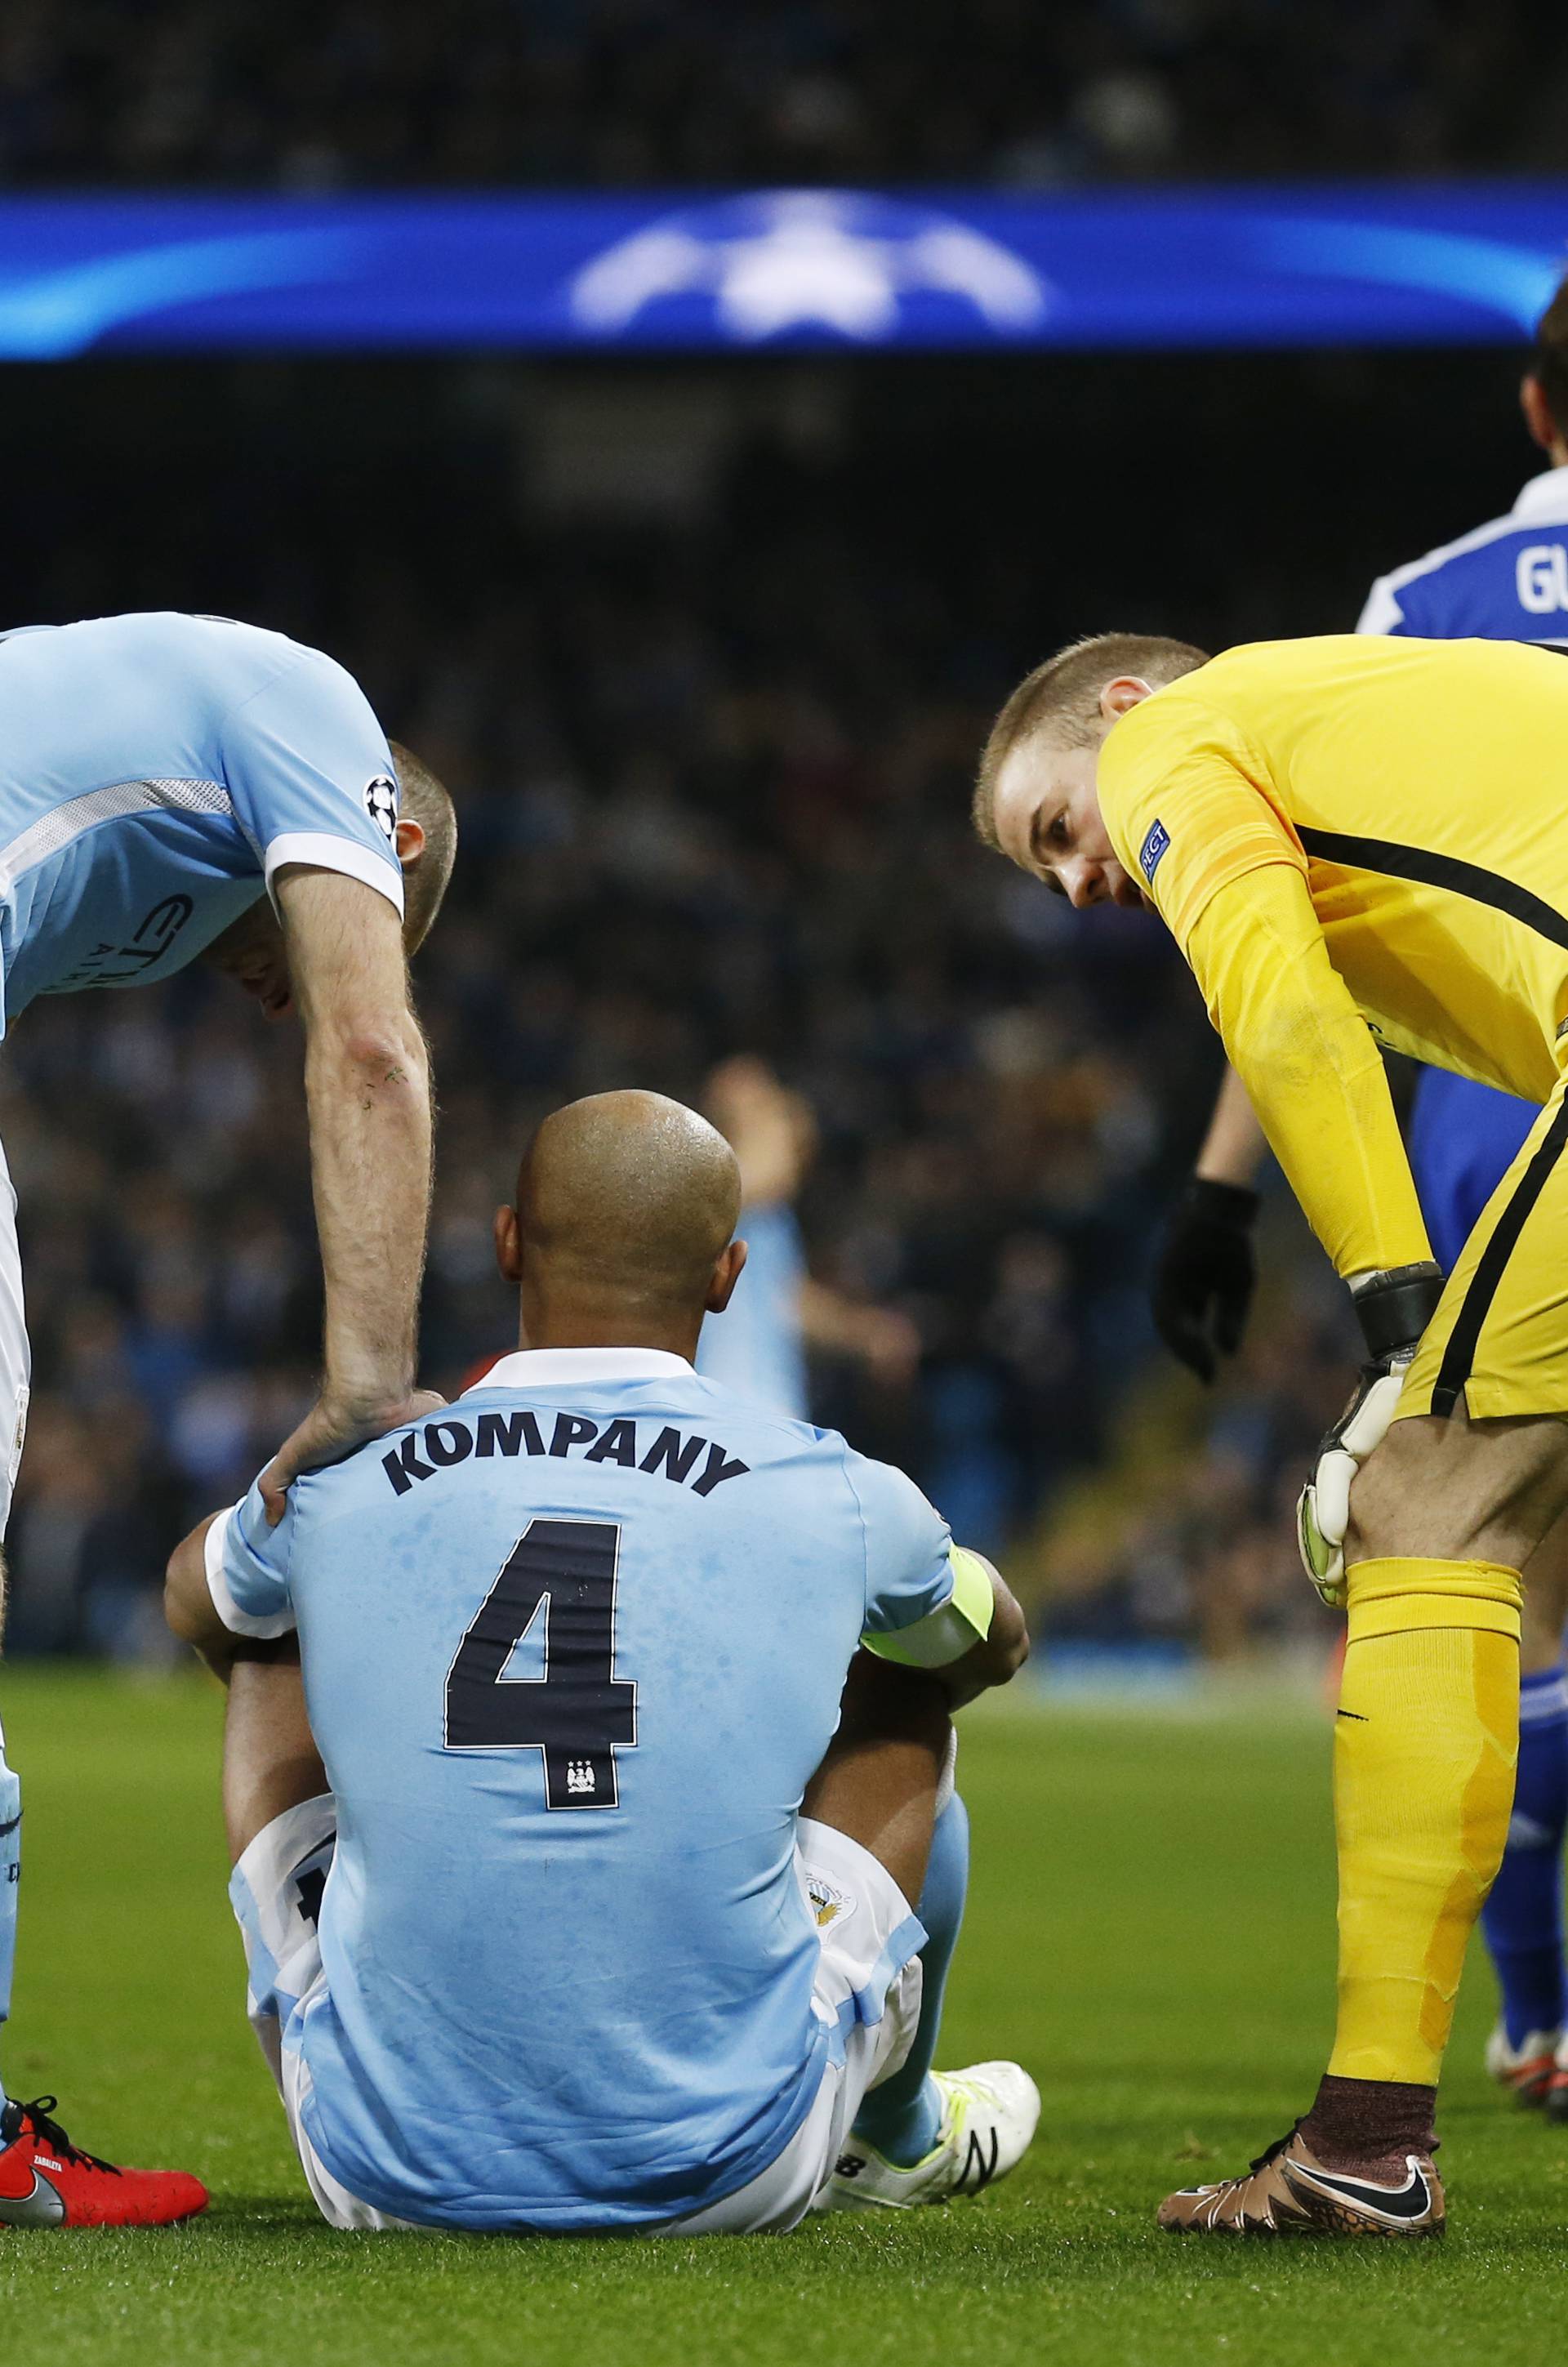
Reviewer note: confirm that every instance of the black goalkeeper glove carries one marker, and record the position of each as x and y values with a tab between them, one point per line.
1394	1308
1204	1284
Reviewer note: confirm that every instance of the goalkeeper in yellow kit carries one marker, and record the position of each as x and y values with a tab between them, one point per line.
1358	842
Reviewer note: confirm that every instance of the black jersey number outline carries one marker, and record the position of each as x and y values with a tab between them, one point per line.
563	1573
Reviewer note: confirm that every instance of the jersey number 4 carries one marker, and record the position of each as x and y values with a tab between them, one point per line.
563	1575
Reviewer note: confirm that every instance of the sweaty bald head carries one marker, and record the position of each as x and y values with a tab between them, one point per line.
627	1204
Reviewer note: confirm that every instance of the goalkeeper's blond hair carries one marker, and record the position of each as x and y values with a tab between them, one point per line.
1062	697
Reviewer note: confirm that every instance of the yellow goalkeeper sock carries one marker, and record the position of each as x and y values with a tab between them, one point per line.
1425	1745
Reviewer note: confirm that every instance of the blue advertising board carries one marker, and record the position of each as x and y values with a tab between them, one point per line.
1258	266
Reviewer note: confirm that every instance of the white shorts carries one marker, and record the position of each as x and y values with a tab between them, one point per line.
859	1992
15	1356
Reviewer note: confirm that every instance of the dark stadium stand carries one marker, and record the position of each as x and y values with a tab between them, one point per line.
711	752
620	93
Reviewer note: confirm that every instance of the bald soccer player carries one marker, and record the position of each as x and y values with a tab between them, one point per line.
1359	842
583	1917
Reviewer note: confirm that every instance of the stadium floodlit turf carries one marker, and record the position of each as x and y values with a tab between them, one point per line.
1150	1932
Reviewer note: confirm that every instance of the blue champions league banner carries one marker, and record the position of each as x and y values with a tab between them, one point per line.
781	268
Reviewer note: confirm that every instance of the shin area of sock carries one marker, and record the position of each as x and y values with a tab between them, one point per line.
1425	1745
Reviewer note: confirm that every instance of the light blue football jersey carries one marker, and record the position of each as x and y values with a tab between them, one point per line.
572	1649
154	772
755	1347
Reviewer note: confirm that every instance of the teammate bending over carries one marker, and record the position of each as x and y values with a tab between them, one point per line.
1508	581
585	1918
1355	840
173	786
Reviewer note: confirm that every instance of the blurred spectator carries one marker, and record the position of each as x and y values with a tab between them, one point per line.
759	1345
714	778
629	92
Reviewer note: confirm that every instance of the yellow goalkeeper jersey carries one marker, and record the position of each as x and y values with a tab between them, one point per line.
1359	837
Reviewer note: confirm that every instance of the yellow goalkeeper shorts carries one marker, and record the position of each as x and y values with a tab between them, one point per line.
1499	1342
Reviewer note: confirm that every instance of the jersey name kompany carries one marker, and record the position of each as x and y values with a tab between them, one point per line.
672	1455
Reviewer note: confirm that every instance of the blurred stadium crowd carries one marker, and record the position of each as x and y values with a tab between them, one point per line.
713	778
627	92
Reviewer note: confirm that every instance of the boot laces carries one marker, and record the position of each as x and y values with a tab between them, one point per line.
49	2133
1270	2153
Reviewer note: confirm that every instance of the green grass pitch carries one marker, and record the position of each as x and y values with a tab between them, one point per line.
1150	1932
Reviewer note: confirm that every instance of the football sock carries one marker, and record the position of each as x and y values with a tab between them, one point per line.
10	1870
1523	1918
1425	1743
903	2116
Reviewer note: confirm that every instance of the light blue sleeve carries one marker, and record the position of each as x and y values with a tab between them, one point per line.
908	1572
247	1568
311	776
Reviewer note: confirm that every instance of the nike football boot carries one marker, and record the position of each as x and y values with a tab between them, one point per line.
1525	2071
45	2182
989	2118
1288	2192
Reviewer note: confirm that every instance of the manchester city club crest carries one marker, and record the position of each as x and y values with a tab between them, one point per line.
829	1903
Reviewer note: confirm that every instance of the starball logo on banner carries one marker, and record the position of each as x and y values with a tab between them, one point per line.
851	266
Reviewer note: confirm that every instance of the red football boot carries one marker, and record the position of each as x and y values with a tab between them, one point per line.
45	2182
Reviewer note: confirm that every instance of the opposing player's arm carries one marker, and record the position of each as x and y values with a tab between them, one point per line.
1206	1271
975	1639
1233	1146
368	1094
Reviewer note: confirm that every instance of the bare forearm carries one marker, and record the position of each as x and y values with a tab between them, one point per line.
1233	1146
368	1096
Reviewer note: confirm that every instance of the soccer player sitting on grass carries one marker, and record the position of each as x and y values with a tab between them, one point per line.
585	1916
1358	841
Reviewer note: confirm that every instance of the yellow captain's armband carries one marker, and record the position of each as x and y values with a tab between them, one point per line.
963	1621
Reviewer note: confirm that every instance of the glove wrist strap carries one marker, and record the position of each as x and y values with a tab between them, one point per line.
1394	1308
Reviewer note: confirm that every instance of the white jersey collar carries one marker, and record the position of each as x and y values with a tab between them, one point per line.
1545	497
554	1368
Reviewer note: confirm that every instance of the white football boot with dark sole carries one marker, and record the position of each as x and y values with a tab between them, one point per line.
989	2116
1525	2071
